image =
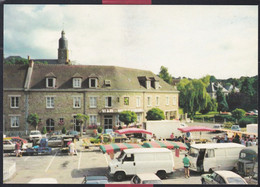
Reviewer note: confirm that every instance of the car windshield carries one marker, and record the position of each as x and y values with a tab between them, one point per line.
152	182
235	180
121	156
193	152
35	133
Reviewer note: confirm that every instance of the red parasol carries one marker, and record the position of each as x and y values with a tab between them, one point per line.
195	129
133	130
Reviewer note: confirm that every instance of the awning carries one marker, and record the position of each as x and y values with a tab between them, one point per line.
195	129
165	144
115	147
133	130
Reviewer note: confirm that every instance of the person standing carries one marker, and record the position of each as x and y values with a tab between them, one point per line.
186	162
172	136
17	149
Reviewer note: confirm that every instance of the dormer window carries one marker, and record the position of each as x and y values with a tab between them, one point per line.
92	82
50	82
77	82
148	84
107	83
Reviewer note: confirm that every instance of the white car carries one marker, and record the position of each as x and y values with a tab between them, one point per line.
146	178
222	177
35	135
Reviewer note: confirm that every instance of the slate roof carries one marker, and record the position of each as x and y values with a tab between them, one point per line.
14	75
121	78
49	61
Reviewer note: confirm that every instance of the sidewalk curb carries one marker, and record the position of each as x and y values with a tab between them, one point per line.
9	170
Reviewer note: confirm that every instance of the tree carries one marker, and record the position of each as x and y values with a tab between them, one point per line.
165	75
33	119
193	95
64	131
249	91
44	130
155	114
127	117
235	100
238	113
81	118
213	79
221	99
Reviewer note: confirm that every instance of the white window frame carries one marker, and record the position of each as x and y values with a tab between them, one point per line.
92	102
17	98
77	82
167	100
50	102
148	84
90	79
139	117
91	117
157	101
75	100
149	101
138	101
174	102
106	101
15	119
53	81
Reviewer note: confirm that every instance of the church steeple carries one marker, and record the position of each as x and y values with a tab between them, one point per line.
63	52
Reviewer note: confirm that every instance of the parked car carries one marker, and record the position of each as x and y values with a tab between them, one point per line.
8	146
222	177
73	133
235	128
95	180
55	141
217	128
146	178
19	140
35	135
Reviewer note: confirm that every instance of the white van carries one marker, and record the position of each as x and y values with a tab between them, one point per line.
142	160
214	156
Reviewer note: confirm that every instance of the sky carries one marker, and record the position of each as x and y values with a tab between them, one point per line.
191	41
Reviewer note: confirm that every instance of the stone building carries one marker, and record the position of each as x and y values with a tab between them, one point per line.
57	92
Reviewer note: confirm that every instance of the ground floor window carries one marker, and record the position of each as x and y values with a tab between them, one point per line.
169	115
49	125
93	119
108	122
76	124
14	121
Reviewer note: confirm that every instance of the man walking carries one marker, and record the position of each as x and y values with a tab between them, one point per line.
186	162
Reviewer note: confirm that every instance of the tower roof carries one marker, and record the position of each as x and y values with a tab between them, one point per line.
63	42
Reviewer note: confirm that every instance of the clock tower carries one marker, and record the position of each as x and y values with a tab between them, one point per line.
63	52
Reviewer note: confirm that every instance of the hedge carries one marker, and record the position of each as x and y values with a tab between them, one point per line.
247	120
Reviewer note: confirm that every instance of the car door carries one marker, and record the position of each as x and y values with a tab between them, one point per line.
209	160
59	141
129	165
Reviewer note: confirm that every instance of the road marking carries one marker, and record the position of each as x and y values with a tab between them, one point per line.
79	159
105	158
50	162
26	158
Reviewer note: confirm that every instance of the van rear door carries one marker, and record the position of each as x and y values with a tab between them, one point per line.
209	160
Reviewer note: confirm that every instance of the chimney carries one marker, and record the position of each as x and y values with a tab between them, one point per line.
29	58
31	63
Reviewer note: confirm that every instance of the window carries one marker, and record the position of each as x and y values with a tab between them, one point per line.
93	119
129	158
138	103
76	102
49	125
93	82
210	153
148	84
49	102
76	82
139	117
157	101
14	121
61	121
126	100
167	100
149	101
107	83
108	102
14	102
156	84
50	82
93	102
174	100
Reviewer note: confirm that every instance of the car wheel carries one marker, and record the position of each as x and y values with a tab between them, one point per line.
161	174
119	176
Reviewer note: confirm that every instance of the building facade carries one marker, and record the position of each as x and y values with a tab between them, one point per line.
57	92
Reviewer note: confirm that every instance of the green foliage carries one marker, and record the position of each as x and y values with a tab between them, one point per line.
44	130
235	100
155	114
221	118
81	118
127	117
64	131
99	129
238	113
244	121
33	119
16	60
221	99
213	79
164	74
94	140
228	125
193	95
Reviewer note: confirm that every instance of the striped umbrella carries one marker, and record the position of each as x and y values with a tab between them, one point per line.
114	147
165	144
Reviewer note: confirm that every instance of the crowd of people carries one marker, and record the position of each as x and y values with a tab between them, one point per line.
244	140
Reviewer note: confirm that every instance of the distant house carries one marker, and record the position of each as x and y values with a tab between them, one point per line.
213	86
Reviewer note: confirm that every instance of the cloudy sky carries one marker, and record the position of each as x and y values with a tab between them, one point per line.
190	41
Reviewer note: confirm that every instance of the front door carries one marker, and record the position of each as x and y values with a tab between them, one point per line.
108	122
76	124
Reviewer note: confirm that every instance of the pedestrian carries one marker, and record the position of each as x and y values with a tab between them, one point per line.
226	138
186	162
71	148
172	136
17	149
153	137
243	141
101	138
